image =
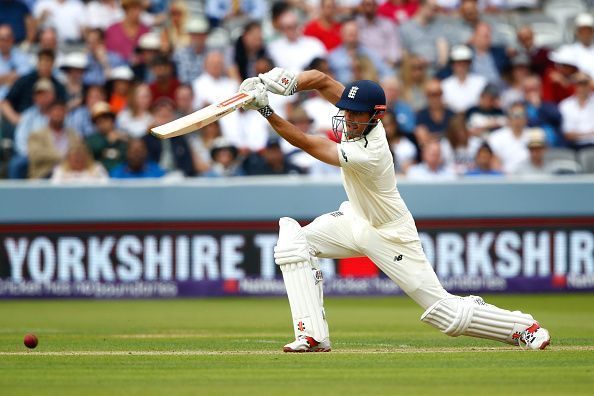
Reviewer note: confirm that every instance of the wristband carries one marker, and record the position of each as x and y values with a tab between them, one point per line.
266	111
294	89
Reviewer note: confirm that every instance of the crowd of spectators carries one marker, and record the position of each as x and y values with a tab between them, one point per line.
473	88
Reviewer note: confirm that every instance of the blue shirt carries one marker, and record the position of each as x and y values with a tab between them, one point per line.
14	13
79	119
151	170
405	117
95	74
17	61
31	120
424	118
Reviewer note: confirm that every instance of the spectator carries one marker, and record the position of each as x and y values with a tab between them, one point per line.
13	62
460	30
66	16
224	159
20	95
107	145
538	56
342	59
582	49
120	81
294	51
18	15
488	60
405	115
137	164
201	144
100	61
577	113
32	119
165	82
249	47
462	89
101	14
271	161
556	83
484	163
535	164
175	34
73	65
135	120
399	11
432	168
79	118
487	116
403	150
413	75
423	35
148	49
325	27
184	100
79	167
233	12
459	147
541	113
189	59
432	121
509	142
379	34
513	92
48	146
122	37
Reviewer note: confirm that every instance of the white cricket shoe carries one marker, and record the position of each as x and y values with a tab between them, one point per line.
307	344
535	337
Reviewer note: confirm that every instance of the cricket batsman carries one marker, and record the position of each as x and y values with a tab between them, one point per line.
374	222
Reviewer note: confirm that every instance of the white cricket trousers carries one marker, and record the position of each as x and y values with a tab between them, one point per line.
394	247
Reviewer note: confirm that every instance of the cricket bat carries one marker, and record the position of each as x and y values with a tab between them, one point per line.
202	117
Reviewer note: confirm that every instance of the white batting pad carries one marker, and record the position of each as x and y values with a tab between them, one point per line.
472	316
303	281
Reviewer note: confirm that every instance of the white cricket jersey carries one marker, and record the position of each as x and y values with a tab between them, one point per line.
368	176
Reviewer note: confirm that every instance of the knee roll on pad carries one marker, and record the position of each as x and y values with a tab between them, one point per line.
472	316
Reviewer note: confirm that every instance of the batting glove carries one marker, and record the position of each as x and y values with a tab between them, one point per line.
254	87
280	81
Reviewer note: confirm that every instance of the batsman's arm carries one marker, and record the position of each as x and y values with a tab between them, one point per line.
328	87
318	147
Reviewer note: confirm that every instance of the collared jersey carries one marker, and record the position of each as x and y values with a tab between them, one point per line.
369	179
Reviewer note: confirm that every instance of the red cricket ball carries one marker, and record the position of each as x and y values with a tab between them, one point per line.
30	341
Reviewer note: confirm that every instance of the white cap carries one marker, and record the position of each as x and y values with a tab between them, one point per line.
149	41
121	73
564	55
584	20
460	53
75	60
197	25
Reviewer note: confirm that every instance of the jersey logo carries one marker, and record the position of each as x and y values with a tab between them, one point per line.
344	155
337	213
398	257
353	92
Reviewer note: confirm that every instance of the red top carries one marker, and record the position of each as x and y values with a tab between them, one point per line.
329	37
398	13
553	91
160	91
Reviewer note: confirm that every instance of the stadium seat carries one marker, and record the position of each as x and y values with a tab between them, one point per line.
564	167
547	32
586	158
563	10
559	153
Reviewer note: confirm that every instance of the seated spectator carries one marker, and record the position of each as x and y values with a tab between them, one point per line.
224	159
271	161
100	61
137	164
379	34
107	145
459	147
432	122
101	14
174	34
14	63
136	118
249	47
513	91
535	165
432	168
538	56
122	37
556	83
294	51
403	150
184	100
79	167
488	60
189	59
73	65
487	116
79	118
414	75
341	60
541	113
399	11
325	27
577	113
462	89
201	144
232	13
460	30
485	163
165	82
405	115
17	15
509	143
48	146
148	49
67	17
582	50
120	81
32	119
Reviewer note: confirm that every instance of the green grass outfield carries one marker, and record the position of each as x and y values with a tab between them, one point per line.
233	347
